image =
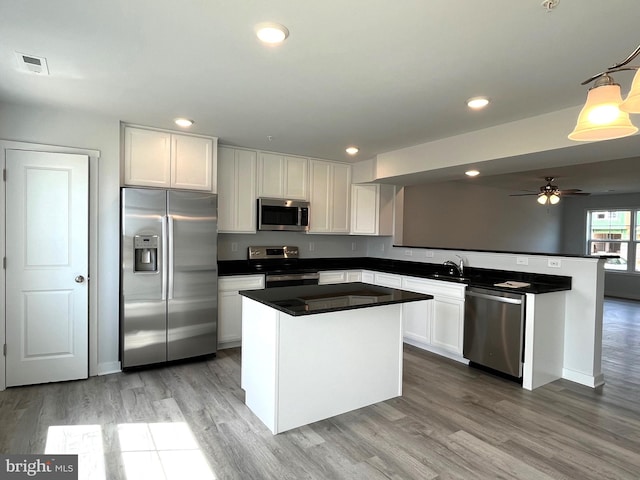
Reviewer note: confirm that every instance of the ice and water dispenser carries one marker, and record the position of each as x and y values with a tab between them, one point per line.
145	249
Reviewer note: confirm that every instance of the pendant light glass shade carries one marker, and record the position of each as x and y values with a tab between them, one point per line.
601	117
632	103
542	199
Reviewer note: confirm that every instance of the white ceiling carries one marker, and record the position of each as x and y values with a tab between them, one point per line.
378	74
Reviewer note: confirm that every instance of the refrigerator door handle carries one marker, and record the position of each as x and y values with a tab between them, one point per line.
164	258
170	257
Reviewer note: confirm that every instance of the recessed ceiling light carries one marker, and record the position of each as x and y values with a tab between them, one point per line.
477	102
472	173
183	122
271	33
352	150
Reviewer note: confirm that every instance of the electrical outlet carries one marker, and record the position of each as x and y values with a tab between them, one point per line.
382	247
428	254
354	246
522	261
408	253
234	246
554	263
312	246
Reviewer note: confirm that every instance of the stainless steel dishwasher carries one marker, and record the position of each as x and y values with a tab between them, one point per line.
494	329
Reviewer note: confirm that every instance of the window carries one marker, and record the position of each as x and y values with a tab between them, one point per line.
615	232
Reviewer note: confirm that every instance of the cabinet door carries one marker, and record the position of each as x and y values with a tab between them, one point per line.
447	324
296	178
319	197
416	321
229	317
192	163
236	190
147	158
282	176
271	173
364	209
340	205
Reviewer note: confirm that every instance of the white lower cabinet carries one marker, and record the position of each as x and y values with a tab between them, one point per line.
230	307
416	321
447	324
435	325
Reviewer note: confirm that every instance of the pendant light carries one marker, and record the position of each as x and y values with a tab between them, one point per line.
632	103
605	116
601	117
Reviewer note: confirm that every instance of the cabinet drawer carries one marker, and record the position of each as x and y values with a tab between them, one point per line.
436	288
388	280
241	282
354	276
335	276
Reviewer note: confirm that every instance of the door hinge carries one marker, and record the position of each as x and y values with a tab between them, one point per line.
4	263
4	174
4	350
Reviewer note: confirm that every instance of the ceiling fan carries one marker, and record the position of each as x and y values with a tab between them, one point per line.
551	193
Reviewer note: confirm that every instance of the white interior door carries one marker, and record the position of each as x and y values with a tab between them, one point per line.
47	248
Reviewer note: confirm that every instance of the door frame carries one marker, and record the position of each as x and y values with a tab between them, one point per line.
94	157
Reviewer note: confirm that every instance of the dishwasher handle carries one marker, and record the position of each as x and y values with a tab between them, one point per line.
497	298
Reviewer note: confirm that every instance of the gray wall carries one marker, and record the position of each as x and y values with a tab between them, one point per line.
616	284
465	216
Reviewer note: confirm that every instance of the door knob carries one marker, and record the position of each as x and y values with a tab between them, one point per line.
79	279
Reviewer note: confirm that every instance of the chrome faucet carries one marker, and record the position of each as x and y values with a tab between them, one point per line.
459	268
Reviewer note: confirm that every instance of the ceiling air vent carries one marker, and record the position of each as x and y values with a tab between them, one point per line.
32	64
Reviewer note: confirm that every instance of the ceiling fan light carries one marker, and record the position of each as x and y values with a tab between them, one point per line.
601	117
632	103
554	199
542	199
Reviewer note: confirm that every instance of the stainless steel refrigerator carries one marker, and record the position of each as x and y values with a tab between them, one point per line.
169	277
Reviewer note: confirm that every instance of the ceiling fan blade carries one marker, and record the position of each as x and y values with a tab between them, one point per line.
573	194
522	194
570	190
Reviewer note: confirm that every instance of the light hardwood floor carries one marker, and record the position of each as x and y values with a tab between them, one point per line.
452	422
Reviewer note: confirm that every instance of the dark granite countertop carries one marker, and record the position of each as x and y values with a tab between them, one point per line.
475	277
312	299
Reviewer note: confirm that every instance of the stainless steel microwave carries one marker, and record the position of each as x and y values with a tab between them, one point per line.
277	214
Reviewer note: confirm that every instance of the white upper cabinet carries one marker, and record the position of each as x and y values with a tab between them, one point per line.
372	209
330	188
155	158
283	176
236	190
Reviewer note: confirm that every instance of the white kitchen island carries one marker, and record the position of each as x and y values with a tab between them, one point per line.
313	352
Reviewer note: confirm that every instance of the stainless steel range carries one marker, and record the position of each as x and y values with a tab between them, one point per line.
281	267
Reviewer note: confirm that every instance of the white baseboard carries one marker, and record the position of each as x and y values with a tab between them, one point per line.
592	381
436	350
108	368
234	344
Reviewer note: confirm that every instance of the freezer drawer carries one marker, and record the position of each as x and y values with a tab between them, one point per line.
494	329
